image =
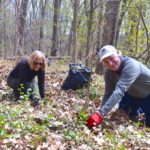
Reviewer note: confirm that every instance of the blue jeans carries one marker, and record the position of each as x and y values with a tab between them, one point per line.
134	106
15	84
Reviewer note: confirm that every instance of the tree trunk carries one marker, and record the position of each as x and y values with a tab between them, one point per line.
99	66
41	35
124	9
69	43
54	48
22	11
1	30
136	38
33	24
4	29
74	34
99	24
110	25
90	22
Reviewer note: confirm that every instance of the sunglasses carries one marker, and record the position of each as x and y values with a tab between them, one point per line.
37	63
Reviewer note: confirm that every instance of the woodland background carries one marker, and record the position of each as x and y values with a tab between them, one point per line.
74	27
69	31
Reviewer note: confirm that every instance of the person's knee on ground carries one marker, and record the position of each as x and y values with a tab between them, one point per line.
145	103
14	84
147	122
125	103
131	106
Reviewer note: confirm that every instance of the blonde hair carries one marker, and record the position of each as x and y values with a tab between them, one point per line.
35	55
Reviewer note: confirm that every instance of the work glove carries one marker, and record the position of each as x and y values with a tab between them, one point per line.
94	120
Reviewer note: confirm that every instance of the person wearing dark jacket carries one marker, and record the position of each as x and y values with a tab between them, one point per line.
127	81
21	78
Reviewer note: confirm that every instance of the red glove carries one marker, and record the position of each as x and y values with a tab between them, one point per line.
94	120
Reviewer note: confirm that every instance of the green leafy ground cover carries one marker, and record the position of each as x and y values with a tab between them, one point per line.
59	123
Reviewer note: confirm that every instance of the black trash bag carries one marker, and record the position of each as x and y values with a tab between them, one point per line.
78	77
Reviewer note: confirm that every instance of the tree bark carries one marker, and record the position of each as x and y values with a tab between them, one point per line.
110	26
4	29
33	25
74	34
99	66
90	22
99	24
69	43
41	35
1	30
22	11
54	48
110	22
124	9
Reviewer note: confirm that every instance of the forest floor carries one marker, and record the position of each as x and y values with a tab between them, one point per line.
59	123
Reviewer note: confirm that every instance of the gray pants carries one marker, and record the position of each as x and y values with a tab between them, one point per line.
15	84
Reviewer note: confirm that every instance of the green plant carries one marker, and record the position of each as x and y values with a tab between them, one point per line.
3	132
81	115
93	94
62	61
69	135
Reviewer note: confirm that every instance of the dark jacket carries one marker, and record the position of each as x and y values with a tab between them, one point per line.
25	74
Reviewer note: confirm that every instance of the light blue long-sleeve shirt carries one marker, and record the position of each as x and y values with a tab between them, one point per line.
132	77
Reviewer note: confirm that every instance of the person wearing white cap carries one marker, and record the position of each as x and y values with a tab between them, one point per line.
127	81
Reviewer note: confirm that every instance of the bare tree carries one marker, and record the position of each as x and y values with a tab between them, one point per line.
99	23
0	24
34	23
99	66
90	22
147	35
42	16
124	9
69	43
4	28
110	24
74	34
54	47
22	12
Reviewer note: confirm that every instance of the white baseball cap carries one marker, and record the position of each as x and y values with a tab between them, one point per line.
107	51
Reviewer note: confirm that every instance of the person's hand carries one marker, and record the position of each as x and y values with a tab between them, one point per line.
94	120
35	102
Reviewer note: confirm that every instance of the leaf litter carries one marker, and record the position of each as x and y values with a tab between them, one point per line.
59	123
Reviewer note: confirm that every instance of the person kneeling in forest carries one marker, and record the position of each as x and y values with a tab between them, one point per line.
22	77
127	81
